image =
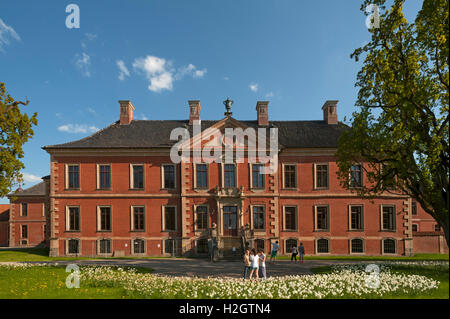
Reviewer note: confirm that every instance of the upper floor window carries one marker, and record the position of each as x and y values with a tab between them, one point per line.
258	218
104	176
201	175
169	176
202	217
388	218
356	176
24	231
24	209
322	218
356	217
138	218
229	175
414	208
73	176
290	218
73	218
257	176
321	176
290	176
104	218
437	227
137	176
415	227
169	218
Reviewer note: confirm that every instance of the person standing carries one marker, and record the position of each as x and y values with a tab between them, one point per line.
254	260
275	248
246	263
294	253
262	264
301	250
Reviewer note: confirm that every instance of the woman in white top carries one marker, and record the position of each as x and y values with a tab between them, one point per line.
254	259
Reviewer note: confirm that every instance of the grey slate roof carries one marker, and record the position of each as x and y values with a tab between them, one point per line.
36	190
156	133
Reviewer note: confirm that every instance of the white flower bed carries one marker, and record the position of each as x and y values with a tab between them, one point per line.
348	281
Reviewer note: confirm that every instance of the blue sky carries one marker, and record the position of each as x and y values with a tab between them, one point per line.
160	54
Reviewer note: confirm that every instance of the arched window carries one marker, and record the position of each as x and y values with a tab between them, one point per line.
323	246
138	246
389	246
357	245
290	243
105	246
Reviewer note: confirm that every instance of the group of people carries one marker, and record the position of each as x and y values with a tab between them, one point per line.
255	262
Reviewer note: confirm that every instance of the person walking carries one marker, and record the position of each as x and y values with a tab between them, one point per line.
301	250
262	264
275	248
294	253
246	263
254	260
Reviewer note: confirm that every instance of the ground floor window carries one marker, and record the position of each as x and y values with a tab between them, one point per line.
389	246
202	246
105	246
289	244
323	246
170	246
357	245
259	244
139	246
73	246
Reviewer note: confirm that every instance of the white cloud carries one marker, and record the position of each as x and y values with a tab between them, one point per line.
91	110
83	63
88	37
270	94
226	78
6	32
77	128
162	74
253	87
123	70
31	178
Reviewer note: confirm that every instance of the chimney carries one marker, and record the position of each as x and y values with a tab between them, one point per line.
194	111
262	110
126	112
330	112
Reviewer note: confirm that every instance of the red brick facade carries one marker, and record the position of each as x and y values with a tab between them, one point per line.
4	225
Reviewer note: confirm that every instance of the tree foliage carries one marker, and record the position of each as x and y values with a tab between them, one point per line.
15	130
401	130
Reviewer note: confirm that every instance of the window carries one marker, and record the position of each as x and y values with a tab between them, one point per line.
322	218
388	218
415	227
321	175
73	219
104	218
323	246
104	176
73	246
105	246
356	176
24	209
389	246
201	175
290	176
357	245
202	246
230	175
24	231
170	246
169	176
414	208
437	227
259	244
169	218
289	244
138	218
356	218
257	176
139	246
137	176
202	217
258	218
73	176
290	218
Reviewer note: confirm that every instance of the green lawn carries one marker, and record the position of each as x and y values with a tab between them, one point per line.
416	257
436	273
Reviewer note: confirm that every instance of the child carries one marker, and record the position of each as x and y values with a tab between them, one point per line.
301	250
254	260
262	264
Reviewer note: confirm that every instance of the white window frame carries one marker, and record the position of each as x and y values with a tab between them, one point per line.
350	246
132	218
316	244
132	246
283	177
99	218
235	174
67	176
328	218
251	177
362	176
395	243
98	176
98	247
68	217
286	251
350	217
132	176
196	217
416	225
381	218
252	222
163	186
195	176
296	218
21	209
315	176
67	247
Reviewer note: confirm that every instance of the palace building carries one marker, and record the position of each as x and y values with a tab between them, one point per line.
118	193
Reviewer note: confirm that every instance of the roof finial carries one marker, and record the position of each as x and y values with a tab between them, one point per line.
228	104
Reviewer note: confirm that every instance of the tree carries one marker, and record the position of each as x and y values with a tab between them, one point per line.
401	130
15	130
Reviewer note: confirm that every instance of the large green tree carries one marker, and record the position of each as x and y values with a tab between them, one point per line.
15	130
401	128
